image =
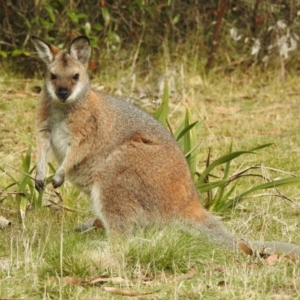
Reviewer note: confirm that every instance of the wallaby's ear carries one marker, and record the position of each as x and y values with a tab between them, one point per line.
80	49
45	50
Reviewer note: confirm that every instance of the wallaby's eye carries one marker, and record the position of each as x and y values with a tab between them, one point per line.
52	76
76	76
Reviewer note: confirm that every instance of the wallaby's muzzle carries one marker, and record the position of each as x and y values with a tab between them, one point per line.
63	94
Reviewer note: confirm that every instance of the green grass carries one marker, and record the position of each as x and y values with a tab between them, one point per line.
245	110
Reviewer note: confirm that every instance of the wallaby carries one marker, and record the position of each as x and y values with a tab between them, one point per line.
126	161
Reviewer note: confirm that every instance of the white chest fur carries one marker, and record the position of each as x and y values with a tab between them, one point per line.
60	136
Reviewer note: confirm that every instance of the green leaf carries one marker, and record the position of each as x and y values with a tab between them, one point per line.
29	23
17	52
218	204
182	127
82	16
208	186
10	176
28	139
219	195
53	170
268	185
162	112
220	201
73	16
188	142
221	160
46	23
261	147
106	15
176	19
3	53
114	37
185	130
98	27
50	11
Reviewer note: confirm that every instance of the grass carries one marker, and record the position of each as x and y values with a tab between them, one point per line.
45	260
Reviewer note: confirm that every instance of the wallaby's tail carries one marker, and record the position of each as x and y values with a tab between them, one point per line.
214	228
287	249
218	233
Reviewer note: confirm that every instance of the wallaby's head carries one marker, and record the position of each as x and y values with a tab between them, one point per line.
66	79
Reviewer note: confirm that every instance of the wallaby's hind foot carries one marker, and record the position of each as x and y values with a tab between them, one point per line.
90	224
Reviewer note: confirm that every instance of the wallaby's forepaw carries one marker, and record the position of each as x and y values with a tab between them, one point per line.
39	184
58	180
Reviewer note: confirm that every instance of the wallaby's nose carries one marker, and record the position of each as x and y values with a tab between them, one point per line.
63	93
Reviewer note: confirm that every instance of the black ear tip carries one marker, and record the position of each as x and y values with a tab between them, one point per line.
36	38
82	38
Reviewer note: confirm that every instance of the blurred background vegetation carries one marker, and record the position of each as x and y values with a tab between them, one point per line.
220	35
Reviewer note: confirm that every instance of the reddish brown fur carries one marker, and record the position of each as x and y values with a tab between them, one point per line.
129	165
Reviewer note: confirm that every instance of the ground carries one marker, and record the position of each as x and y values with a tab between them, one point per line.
48	260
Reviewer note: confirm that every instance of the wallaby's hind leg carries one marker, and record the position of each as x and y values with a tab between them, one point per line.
117	203
90	224
141	183
134	189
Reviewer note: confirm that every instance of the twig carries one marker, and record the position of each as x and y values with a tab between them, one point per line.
268	168
138	49
61	206
169	126
254	16
216	37
274	195
206	179
193	149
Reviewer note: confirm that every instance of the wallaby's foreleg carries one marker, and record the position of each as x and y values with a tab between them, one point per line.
76	152
69	161
59	176
43	149
79	145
